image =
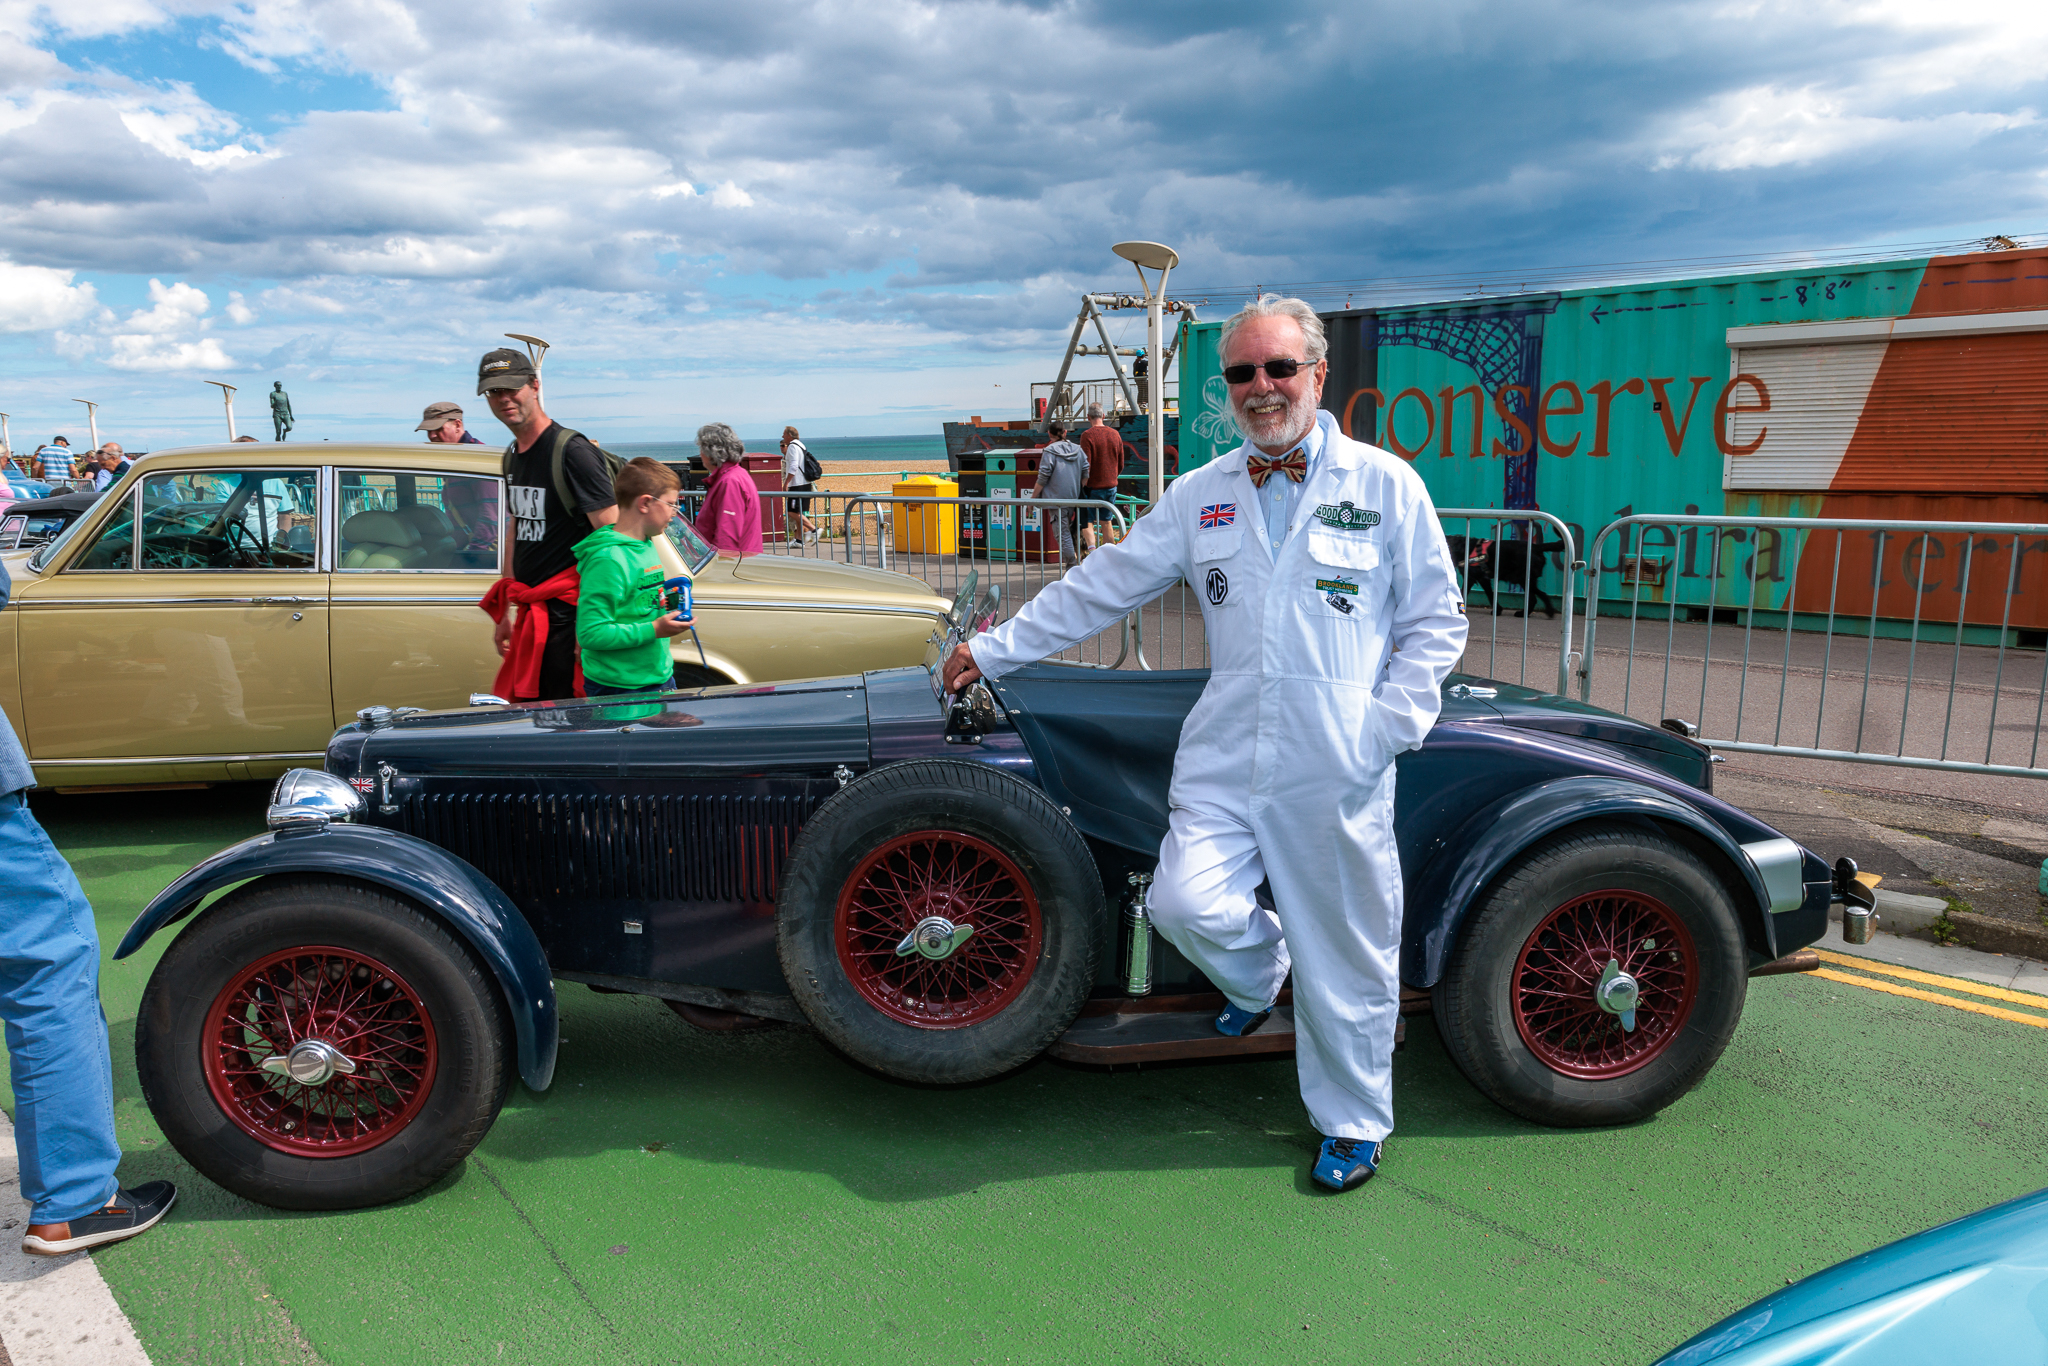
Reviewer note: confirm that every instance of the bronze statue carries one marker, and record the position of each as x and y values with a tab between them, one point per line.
280	409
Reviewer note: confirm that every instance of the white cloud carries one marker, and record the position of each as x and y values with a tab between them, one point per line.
36	298
731	196
146	352
238	310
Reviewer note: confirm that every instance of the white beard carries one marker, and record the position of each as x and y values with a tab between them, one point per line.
1280	428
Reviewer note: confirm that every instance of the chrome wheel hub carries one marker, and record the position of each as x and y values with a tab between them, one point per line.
311	1062
934	937
1618	993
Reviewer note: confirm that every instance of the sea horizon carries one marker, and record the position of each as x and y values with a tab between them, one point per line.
877	449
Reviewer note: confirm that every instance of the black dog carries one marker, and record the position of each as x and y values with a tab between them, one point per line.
1493	565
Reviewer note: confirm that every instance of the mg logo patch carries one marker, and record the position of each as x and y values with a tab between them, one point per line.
1345	517
1218	587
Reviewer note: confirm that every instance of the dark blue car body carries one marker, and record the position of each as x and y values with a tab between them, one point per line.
539	830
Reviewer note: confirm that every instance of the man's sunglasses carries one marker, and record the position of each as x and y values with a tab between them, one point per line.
1276	369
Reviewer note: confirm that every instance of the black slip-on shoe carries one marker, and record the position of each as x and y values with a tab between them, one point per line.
129	1213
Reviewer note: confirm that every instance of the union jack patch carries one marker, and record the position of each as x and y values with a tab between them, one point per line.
1218	514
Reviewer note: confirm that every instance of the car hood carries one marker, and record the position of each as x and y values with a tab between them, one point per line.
1972	1290
1528	709
788	580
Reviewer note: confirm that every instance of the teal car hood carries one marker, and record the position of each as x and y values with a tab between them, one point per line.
1972	1290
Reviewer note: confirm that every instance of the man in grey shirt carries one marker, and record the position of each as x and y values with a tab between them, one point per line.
57	1036
1062	470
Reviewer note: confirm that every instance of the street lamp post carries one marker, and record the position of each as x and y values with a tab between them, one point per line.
227	397
92	419
1163	259
535	348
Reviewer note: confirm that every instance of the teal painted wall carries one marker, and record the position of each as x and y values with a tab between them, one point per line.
1645	460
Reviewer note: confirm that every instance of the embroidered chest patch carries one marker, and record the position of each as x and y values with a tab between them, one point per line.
1218	514
1346	517
1336	586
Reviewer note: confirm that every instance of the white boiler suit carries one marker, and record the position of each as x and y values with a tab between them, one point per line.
1326	660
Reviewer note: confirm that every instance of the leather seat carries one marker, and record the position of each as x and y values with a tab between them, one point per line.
380	540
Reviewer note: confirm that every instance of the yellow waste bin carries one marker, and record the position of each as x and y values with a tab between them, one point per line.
930	527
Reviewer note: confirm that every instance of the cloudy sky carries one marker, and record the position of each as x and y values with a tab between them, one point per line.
866	217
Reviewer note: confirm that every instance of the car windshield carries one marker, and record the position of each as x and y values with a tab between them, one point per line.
688	543
42	556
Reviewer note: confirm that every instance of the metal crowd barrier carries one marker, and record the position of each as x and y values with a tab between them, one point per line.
1933	630
907	533
860	528
1499	565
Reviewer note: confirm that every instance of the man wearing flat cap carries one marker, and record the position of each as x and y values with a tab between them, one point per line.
442	422
558	488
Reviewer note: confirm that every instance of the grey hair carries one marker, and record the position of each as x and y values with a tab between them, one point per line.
721	444
1305	317
1095	411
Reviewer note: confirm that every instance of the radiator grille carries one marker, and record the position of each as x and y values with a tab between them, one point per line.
630	848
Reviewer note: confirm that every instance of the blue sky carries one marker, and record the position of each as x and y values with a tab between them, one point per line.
866	217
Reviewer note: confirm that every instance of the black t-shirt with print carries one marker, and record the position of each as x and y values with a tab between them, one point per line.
544	533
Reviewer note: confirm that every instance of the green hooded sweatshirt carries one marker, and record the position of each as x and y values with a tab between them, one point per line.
616	608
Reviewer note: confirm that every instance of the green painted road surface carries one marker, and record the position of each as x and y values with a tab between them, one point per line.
680	1197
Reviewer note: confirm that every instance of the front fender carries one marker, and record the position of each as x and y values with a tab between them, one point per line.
439	882
1493	836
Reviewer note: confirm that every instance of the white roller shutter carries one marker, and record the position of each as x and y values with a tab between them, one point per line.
1817	395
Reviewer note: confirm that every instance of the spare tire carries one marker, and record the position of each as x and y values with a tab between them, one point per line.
940	921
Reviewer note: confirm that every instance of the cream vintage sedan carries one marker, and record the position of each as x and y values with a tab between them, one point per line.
224	608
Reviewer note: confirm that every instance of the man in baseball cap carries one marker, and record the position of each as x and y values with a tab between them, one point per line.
558	488
504	368
442	422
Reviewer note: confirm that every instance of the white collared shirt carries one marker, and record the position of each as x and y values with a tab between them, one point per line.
1280	497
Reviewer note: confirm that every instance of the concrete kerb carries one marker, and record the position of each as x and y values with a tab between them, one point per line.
1901	913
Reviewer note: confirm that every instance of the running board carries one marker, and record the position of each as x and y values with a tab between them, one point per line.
1174	1035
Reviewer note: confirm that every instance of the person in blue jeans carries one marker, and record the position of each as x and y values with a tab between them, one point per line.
57	1036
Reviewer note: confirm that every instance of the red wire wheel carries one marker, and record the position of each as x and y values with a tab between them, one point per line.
364	1010
962	879
1561	963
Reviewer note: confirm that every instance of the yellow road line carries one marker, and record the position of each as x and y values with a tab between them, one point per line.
1996	1012
1931	979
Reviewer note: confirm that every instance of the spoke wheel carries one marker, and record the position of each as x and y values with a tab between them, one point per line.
1516	1005
959	878
933	846
1556	1012
362	1009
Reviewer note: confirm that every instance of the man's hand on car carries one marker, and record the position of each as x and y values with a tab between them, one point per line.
960	669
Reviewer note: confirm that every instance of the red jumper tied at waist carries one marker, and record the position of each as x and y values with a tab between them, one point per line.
519	676
1294	465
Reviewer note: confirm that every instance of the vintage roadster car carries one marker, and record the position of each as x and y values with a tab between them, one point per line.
928	883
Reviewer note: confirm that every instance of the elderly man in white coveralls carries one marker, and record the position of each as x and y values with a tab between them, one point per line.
1333	616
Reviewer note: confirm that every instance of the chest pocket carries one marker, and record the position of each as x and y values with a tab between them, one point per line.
1346	567
1220	544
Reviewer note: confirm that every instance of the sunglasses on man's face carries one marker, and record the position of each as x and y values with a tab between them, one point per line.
1276	369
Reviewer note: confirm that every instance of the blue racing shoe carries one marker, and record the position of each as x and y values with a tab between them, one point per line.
1237	1022
1346	1163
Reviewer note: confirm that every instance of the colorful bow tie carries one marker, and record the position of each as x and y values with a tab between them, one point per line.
1294	465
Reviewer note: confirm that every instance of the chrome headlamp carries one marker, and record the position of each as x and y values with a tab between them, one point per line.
307	799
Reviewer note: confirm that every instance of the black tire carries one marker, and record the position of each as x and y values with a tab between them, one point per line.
1529	1034
422	1118
697	676
976	833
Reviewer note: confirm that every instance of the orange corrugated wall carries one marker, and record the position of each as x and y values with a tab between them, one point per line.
1955	430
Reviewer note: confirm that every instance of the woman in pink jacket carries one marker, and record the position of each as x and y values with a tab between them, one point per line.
730	520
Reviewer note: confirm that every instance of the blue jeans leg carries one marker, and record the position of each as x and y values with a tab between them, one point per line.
56	1032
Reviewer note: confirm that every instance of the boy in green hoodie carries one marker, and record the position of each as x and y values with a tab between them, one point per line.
619	622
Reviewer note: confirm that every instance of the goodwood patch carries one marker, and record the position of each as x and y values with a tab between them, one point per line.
1336	586
1345	517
